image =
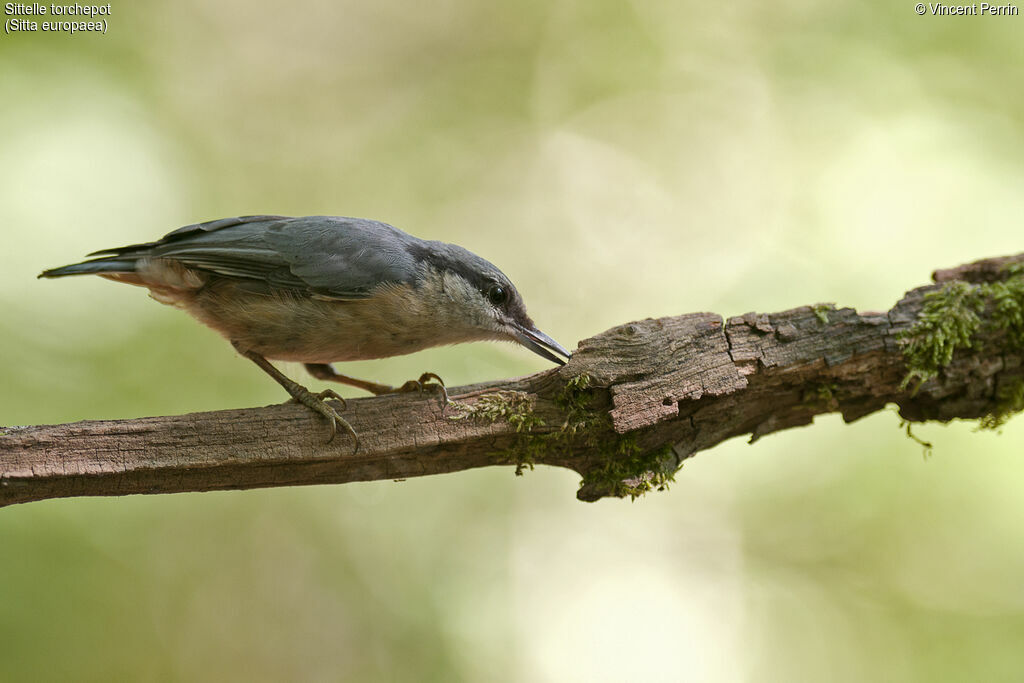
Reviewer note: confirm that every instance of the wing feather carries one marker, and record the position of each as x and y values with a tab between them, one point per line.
329	256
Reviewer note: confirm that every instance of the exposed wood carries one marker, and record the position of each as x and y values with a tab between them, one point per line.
690	381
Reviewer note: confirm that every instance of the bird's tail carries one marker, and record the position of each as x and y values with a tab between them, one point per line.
98	266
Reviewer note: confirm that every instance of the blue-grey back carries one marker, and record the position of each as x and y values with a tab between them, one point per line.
340	257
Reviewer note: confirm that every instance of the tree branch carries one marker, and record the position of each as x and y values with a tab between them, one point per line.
630	406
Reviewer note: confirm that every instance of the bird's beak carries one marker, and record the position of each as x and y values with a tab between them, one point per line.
540	343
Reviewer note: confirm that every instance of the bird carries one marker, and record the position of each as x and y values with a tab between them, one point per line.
325	289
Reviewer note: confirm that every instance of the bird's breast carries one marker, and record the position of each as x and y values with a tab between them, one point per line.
295	327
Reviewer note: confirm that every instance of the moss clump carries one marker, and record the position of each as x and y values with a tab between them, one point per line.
1014	269
823	393
821	312
953	315
625	468
1008	307
629	471
947	321
950	320
1009	401
513	407
575	400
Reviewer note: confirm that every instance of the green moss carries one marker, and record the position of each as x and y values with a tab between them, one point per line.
821	311
952	318
574	389
513	407
1008	308
1012	270
947	322
822	393
574	400
926	446
953	315
629	471
1009	401
624	468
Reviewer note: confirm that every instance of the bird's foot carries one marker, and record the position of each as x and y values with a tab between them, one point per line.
317	402
427	381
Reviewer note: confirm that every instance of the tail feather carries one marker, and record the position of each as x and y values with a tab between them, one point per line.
94	267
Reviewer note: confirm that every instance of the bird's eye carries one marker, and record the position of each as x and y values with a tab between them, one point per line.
498	295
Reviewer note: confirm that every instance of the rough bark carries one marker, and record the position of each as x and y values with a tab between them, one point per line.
670	387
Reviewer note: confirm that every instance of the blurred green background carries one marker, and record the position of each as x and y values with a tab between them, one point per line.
618	160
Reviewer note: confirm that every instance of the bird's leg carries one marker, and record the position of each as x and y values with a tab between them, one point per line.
326	372
427	380
304	396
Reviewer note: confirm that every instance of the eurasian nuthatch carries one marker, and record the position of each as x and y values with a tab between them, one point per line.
322	289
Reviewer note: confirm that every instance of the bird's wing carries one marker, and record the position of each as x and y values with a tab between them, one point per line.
329	256
189	231
344	258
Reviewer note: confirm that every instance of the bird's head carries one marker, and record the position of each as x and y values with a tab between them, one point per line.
479	300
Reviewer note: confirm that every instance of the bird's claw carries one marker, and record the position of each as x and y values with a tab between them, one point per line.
428	380
318	403
331	393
